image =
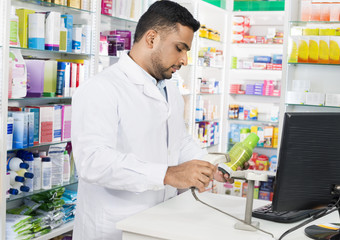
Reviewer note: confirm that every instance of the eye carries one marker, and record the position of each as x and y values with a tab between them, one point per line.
178	49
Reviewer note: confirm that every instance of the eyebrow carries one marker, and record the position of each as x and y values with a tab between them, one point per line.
185	45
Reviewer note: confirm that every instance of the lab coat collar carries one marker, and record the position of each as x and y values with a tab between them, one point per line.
139	76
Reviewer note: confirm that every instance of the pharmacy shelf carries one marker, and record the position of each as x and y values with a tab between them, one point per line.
48	6
255	74
30	51
41	98
209	41
212	120
304	23
319	64
260	13
317	106
211	67
257	45
67	227
105	18
209	94
23	195
39	145
253	95
254	121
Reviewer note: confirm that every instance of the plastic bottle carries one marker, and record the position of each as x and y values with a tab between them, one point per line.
25	174
37	172
20	187
15	164
15	178
66	171
239	154
14	29
46	173
63	37
29	159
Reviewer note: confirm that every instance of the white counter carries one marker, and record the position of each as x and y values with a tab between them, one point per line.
185	218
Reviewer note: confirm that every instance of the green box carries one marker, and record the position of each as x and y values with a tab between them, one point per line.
259	5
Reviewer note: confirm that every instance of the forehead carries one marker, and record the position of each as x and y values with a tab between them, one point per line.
180	34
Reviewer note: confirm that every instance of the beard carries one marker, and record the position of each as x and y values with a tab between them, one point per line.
160	72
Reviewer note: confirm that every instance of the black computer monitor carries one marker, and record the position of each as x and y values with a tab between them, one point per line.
309	161
309	165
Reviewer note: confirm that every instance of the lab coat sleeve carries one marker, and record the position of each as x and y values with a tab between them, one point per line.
94	136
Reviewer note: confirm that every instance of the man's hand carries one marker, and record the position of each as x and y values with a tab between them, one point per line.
220	177
194	173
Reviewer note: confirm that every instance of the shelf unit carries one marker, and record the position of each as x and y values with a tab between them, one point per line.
190	75
323	77
260	22
80	16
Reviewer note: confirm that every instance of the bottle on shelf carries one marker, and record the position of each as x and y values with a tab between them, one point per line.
37	171
15	164
20	187
66	171
14	177
46	173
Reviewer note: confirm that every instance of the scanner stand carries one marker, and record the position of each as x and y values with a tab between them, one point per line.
251	176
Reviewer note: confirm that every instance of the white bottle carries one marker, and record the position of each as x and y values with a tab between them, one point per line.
15	164
46	173
20	187
66	172
37	172
15	178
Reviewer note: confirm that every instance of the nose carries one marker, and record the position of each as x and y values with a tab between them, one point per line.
184	59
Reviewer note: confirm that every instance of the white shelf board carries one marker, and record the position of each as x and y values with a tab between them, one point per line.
257	45
58	231
256	74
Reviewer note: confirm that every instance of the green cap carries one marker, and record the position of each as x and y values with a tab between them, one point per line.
251	140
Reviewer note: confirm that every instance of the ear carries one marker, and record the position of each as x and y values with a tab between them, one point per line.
150	37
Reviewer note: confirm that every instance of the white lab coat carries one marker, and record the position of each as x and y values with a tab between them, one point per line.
124	136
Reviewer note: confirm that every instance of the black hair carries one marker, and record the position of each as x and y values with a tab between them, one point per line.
164	15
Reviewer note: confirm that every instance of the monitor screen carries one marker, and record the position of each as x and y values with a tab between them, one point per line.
309	161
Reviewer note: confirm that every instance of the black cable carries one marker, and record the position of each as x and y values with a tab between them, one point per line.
195	196
325	212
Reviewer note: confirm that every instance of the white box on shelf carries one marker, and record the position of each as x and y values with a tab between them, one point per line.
301	85
332	99
314	98
296	97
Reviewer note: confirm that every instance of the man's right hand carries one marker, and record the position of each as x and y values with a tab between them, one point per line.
194	173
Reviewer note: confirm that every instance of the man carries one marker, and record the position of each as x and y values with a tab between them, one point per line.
130	143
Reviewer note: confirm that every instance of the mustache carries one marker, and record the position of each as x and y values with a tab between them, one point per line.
178	67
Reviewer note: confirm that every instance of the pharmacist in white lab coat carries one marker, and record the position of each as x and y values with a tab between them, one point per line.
129	138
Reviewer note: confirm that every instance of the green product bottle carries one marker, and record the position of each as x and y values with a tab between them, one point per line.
239	154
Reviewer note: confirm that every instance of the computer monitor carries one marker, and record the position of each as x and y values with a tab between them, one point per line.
309	161
309	165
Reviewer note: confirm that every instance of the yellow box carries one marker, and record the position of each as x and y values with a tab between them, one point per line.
293	49
324	49
303	48
313	51
334	49
23	25
310	31
74	3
